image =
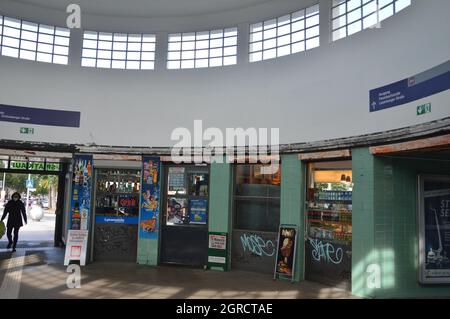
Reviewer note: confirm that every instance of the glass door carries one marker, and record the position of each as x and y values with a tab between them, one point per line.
185	215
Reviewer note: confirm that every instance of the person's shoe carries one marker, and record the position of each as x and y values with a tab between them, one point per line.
14	249
9	246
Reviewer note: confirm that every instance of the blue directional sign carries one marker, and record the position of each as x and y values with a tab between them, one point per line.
31	115
409	90
29	183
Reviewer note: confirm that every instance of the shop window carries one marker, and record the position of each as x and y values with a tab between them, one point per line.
256	199
329	223
187	196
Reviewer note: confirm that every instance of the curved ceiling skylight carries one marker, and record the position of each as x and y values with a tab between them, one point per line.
202	49
33	41
352	16
118	50
291	33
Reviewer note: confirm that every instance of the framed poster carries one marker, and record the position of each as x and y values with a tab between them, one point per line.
286	252
434	229
150	195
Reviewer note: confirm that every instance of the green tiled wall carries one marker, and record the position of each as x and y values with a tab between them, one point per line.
220	203
291	208
219	197
387	235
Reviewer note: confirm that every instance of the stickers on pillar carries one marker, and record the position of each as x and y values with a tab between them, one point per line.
81	192
150	195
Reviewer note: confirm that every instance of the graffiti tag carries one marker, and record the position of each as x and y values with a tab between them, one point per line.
326	252
257	245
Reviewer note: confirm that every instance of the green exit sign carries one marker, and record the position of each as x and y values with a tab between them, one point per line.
424	109
26	130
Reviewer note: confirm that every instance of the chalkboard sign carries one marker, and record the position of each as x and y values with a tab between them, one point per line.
286	252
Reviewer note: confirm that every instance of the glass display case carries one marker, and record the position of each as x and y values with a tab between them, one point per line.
117	192
328	215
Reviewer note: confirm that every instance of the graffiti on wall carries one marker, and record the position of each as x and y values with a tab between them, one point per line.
326	252
255	244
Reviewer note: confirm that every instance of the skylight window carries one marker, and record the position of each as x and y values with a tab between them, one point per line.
202	49
118	50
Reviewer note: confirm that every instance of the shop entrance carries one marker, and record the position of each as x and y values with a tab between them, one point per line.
184	227
116	214
328	248
256	218
41	184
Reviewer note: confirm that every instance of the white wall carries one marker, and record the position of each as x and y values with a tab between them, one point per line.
320	94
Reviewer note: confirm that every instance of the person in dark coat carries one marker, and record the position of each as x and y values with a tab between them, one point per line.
16	209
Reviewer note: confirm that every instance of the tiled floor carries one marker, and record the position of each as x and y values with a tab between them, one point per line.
44	276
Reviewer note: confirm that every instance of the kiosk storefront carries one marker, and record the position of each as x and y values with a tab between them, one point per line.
256	218
184	226
328	247
115	219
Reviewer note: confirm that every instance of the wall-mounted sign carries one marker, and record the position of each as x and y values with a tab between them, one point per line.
76	247
116	220
35	166
30	115
218	251
81	192
26	130
424	109
286	251
434	229
422	85
150	195
217	241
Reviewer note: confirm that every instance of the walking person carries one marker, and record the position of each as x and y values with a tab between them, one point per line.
16	209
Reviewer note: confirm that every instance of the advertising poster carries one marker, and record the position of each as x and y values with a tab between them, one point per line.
285	261
81	192
436	219
150	195
176	211
176	180
198	211
76	247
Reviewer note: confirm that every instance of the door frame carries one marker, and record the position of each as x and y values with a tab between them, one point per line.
164	196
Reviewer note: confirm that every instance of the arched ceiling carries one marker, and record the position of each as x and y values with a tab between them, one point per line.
149	8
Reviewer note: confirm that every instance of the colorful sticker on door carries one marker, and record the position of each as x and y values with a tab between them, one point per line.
81	192
198	211
150	197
